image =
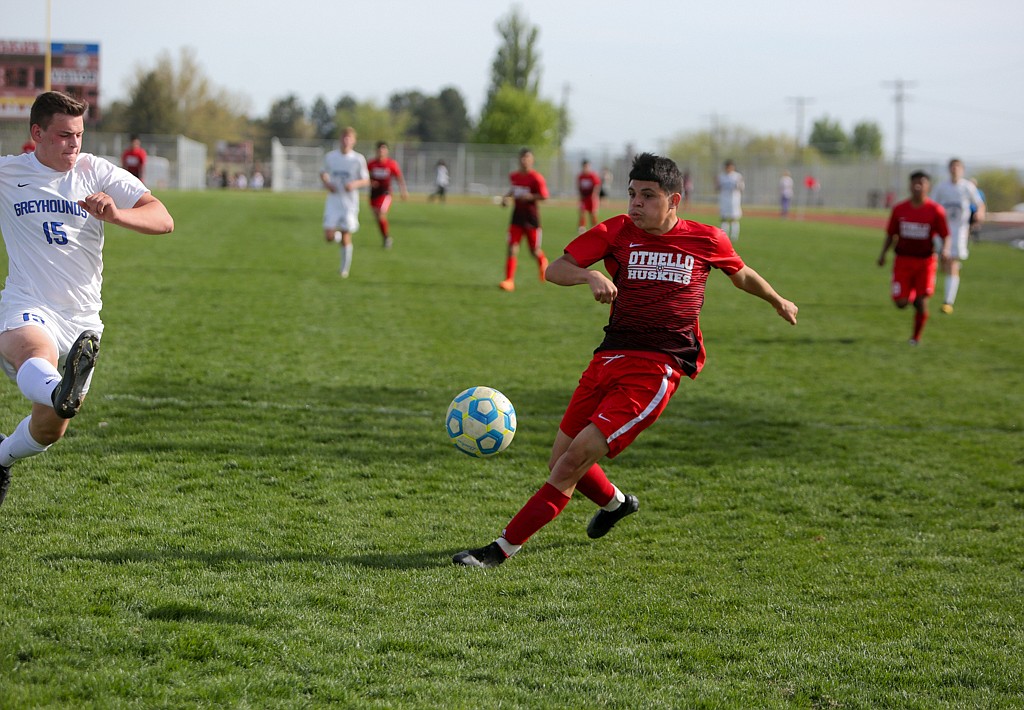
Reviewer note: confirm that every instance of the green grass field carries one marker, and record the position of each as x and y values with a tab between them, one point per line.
258	505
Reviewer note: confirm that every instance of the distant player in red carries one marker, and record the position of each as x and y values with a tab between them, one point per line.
659	265
133	159
382	170
528	188
589	184
28	146
912	225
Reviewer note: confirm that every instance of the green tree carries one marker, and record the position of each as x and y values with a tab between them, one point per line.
514	113
287	119
517	61
1002	189
322	118
866	140
516	117
433	119
829	138
372	122
152	107
177	97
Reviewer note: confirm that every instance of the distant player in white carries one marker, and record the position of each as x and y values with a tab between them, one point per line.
730	192
956	195
344	173
53	206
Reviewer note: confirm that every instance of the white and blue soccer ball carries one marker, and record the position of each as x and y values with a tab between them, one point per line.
481	421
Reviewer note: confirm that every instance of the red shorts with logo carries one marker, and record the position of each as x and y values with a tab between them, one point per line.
381	203
621	394
913	276
517	232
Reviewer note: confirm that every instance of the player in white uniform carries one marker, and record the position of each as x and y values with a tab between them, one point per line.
730	192
343	174
53	205
956	195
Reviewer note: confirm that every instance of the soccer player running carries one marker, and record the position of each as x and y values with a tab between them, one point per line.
382	170
343	174
528	188
659	265
957	195
589	184
730	195
913	224
54	204
133	159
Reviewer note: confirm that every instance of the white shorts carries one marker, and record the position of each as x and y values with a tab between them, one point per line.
62	331
340	217
958	244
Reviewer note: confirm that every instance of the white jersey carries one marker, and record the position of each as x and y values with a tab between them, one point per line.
957	198
55	249
730	190
342	168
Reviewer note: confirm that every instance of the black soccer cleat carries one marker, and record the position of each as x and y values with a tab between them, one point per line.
484	557
67	397
5	478
604	520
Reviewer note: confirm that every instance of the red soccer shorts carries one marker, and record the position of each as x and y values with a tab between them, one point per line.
588	204
912	277
621	394
517	232
381	203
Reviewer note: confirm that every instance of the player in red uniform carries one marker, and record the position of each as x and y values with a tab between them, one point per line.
133	159
912	225
588	183
659	266
382	169
528	188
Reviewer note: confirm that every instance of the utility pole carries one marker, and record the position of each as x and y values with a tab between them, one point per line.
899	97
800	102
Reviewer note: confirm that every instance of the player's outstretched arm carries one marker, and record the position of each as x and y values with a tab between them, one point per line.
147	216
564	271
753	283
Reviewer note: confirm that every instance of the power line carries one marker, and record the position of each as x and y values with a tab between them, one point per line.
800	102
899	97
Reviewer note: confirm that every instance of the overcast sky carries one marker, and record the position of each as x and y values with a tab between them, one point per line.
635	73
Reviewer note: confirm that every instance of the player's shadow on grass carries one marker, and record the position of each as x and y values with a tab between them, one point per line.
384	560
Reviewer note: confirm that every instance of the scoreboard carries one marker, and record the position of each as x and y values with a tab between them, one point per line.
74	69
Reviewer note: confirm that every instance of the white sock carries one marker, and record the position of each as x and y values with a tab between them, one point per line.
37	379
346	258
20	445
507	547
618	499
952	286
337	237
735	234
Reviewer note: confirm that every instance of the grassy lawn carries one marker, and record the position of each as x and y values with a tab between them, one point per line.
258	504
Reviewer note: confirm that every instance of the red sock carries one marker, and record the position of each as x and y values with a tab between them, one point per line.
919	320
510	267
541	509
383	222
596	486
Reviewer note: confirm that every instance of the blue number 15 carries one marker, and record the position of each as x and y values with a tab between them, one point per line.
55	233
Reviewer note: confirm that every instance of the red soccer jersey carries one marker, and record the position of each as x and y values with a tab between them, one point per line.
381	173
660	281
915	227
525	212
134	161
587	182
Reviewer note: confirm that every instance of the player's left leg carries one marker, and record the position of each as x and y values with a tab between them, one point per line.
535	237
547	503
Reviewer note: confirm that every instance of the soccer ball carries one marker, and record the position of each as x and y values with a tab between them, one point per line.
480	421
